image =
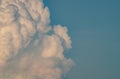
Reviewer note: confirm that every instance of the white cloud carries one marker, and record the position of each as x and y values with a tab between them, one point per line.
27	51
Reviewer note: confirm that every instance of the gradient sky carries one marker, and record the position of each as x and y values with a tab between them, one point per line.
94	27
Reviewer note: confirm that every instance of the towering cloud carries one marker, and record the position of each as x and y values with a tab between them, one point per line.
29	47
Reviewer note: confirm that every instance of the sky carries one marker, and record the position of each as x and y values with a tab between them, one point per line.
59	39
94	28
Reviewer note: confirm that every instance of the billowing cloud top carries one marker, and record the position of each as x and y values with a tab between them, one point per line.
29	47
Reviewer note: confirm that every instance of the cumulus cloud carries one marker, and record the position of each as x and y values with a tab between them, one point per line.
27	48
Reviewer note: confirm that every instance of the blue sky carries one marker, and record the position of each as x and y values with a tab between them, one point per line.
94	27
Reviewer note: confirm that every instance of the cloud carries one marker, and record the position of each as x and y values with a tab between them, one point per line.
27	50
